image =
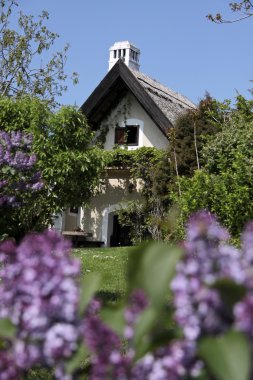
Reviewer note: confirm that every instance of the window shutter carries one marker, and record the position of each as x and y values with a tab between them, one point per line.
120	136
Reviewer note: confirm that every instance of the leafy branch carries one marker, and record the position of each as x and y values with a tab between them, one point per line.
22	68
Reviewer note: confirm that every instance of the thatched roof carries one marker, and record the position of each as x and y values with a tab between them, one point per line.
171	103
162	104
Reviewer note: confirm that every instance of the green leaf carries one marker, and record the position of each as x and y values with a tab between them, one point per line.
114	318
89	285
230	292
228	357
77	359
152	269
7	329
141	337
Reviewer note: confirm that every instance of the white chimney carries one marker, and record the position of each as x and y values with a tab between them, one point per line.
127	52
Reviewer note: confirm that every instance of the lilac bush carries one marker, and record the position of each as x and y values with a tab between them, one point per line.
199	309
209	261
17	167
40	295
172	362
107	360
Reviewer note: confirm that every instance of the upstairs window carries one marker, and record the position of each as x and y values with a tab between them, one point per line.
128	135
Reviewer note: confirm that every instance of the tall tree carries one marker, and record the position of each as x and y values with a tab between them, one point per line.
23	67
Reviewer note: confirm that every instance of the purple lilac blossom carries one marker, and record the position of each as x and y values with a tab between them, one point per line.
173	362
138	302
18	163
107	358
39	293
108	361
8	369
105	346
60	342
198	307
243	310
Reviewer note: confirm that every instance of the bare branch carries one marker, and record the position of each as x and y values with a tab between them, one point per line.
244	9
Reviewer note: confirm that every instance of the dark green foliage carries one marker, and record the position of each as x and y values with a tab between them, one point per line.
224	185
189	135
227	195
134	217
40	374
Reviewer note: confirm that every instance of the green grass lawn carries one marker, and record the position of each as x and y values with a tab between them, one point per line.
111	264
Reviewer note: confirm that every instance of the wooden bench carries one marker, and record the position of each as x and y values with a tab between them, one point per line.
78	237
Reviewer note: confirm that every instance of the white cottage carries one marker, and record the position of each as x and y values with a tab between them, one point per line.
130	108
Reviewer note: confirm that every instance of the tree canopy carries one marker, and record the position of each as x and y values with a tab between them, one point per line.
68	165
24	44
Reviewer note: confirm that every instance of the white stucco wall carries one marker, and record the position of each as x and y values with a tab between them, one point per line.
96	217
72	220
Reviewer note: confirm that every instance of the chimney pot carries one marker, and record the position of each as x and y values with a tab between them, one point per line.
126	51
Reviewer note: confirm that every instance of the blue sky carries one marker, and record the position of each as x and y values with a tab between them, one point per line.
179	46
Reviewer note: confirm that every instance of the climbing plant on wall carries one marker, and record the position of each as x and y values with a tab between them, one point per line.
149	175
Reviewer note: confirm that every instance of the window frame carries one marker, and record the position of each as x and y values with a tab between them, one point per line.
124	129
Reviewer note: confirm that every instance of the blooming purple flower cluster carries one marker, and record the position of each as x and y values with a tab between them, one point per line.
108	358
243	310
39	293
138	302
107	361
13	149
198	307
17	166
8	369
174	362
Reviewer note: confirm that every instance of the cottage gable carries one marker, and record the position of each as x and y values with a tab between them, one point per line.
161	104
129	125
